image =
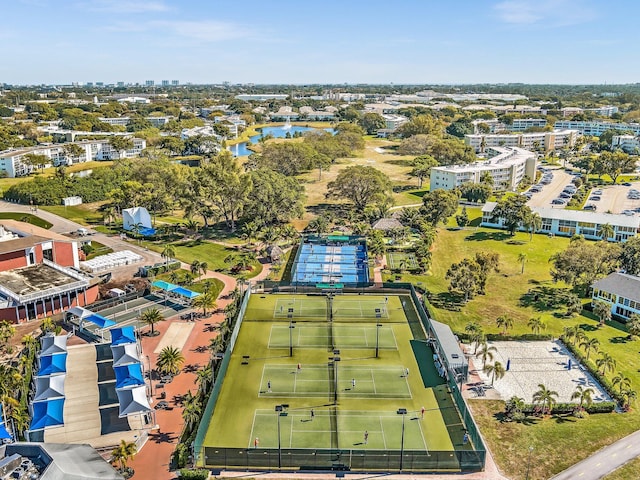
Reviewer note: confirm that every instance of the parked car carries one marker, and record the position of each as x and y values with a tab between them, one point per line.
626	184
595	198
597	192
558	201
590	206
565	195
628	212
535	189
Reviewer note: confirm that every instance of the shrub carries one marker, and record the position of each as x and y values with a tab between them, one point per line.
199	474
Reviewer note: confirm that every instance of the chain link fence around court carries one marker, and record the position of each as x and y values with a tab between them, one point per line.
359	460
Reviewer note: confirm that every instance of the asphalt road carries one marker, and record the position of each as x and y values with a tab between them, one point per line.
604	461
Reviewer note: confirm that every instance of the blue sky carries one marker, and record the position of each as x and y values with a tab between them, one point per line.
329	41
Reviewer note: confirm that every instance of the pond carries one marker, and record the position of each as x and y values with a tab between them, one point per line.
241	149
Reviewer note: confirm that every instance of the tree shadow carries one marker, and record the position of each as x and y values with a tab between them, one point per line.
483	236
516	242
588	327
619	339
401	162
446	301
566	418
191	368
162	437
545	299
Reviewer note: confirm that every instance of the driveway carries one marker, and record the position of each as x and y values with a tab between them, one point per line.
543	199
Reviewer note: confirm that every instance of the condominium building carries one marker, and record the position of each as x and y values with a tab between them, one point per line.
506	165
124	121
628	143
620	291
13	161
567	223
261	97
391	124
605	111
596	129
522	124
547	141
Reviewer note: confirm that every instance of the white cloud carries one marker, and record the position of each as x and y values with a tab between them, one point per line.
544	13
127	6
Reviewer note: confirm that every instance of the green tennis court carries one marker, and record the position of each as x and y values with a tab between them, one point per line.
332	334
402	261
298	429
353	381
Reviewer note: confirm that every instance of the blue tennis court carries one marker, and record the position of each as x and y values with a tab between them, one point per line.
323	260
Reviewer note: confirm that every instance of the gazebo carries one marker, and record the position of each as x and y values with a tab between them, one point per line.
274	252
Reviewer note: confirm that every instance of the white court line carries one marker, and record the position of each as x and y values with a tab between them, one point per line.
261	383
424	441
373	380
384	439
253	425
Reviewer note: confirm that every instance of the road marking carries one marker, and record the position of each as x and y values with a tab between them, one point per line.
598	464
629	446
614	454
580	474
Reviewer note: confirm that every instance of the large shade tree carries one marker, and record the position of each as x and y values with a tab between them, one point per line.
361	185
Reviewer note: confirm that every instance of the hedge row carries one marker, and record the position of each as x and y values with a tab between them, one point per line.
153	271
466	338
604	381
564	408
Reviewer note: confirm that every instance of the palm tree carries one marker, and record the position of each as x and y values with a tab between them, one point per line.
622	381
536	325
514	405
629	396
606	363
545	397
504	321
168	253
522	258
206	301
486	352
589	345
250	230
195	267
204	377
475	334
584	395
192	411
606	232
602	310
496	371
170	361
204	266
29	341
533	223
151	316
123	453
579	336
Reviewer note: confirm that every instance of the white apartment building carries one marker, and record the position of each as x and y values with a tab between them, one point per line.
529	141
261	97
124	121
232	122
628	143
13	163
596	129
605	111
506	165
567	223
521	124
620	291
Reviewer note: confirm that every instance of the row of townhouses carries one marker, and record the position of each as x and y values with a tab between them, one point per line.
547	141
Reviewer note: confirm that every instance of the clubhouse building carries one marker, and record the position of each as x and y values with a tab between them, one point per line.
39	273
567	223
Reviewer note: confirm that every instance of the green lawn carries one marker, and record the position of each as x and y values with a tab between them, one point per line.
199	286
626	472
212	253
85	214
21	217
98	249
369	403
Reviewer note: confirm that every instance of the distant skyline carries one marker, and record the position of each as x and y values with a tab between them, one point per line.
293	42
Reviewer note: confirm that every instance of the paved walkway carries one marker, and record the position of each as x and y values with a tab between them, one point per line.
604	461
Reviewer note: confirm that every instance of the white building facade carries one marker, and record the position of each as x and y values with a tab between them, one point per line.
506	165
596	129
529	141
621	292
567	223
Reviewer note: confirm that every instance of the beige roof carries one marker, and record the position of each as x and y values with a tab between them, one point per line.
386	224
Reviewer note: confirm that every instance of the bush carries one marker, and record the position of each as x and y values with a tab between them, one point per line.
199	474
492	337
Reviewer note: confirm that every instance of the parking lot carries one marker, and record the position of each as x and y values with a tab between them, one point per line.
544	198
606	199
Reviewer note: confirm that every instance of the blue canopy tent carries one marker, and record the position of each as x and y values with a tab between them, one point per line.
123	335
52	365
47	414
4	433
99	320
129	375
166	286
185	292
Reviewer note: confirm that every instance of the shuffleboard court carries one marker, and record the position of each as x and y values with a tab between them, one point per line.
402	261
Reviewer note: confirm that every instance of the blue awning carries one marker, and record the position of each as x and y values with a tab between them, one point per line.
122	335
47	414
52	364
129	375
185	292
4	433
162	285
99	320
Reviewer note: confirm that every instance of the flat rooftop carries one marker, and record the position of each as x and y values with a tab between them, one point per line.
35	278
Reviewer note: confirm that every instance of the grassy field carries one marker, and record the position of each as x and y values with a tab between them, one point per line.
98	249
626	472
212	253
369	389
85	214
21	217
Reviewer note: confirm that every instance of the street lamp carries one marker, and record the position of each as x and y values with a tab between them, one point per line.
291	327
378	325
150	379
529	462
403	412
281	411
333	362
